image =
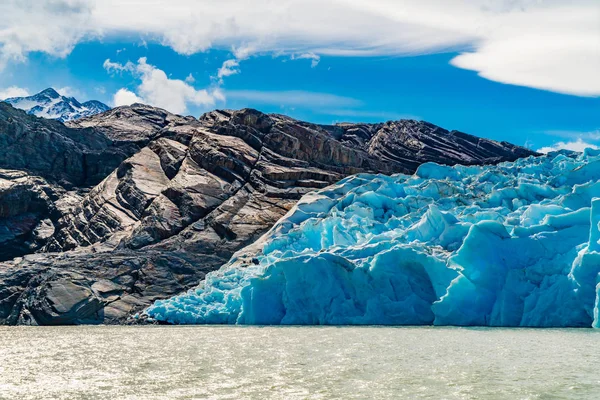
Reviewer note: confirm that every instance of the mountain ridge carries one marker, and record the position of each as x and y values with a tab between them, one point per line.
178	198
51	105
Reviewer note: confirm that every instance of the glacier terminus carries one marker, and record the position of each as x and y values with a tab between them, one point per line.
516	244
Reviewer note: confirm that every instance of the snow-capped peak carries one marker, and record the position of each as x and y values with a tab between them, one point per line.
50	104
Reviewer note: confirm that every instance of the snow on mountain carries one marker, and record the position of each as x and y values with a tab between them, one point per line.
516	244
50	104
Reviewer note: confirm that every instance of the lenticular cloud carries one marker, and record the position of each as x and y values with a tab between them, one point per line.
517	244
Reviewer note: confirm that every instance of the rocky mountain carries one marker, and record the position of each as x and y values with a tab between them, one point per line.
50	104
61	163
179	196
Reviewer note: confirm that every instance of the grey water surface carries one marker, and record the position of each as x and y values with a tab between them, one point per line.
219	362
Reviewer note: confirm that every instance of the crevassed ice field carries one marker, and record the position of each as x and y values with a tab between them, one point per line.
515	244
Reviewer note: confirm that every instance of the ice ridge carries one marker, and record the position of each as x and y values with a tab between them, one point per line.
515	244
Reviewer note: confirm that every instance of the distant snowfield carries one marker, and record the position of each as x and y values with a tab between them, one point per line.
517	244
51	105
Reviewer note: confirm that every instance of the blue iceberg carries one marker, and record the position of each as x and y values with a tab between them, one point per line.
515	244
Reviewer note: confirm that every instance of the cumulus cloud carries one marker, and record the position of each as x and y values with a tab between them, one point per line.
50	26
13	91
110	66
229	67
125	97
157	89
551	45
576	145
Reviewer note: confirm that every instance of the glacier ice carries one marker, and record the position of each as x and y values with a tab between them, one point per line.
516	244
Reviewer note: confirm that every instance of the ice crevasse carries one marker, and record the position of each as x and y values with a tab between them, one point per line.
515	244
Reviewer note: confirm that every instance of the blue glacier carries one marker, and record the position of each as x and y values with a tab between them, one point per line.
515	244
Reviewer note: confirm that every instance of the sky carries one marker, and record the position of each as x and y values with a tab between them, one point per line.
523	71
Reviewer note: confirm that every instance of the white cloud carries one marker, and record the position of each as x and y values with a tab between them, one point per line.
309	56
125	97
110	66
552	44
68	91
50	26
577	145
13	91
157	89
190	78
244	51
229	67
556	49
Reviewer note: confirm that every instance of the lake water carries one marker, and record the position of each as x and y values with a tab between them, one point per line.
158	362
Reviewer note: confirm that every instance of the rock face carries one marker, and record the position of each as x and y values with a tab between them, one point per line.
187	193
26	206
82	153
50	104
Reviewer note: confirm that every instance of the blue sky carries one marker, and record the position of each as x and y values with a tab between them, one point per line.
444	78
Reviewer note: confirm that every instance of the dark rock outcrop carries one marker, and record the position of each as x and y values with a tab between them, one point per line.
82	153
186	194
27	207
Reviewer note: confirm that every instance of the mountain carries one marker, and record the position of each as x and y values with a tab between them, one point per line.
186	195
73	154
51	105
45	165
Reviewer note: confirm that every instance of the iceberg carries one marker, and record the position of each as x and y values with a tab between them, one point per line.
513	244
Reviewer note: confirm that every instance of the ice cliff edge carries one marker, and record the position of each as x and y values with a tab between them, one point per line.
516	244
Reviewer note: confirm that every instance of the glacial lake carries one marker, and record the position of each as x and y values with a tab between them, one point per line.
217	362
